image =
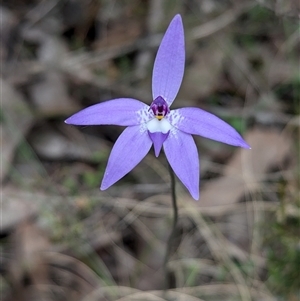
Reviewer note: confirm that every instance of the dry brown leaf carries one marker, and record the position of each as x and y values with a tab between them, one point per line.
17	120
27	261
240	71
202	75
17	207
50	94
8	24
52	145
246	169
119	35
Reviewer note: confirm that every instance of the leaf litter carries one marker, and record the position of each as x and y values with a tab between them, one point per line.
61	238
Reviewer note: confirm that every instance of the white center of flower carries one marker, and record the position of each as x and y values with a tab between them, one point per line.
162	126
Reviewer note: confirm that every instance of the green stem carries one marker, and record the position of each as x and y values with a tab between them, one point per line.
173	232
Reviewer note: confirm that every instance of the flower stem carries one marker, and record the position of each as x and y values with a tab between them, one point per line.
173	232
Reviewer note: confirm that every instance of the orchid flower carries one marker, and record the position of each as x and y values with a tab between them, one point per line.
156	124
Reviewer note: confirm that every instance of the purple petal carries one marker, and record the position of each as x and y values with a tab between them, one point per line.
158	139
199	122
169	62
130	148
121	111
182	154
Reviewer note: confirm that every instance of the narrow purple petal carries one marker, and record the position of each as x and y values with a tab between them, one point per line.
199	122
182	154
130	148
121	111
158	139
169	62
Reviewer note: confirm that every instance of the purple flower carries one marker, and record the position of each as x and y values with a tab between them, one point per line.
157	124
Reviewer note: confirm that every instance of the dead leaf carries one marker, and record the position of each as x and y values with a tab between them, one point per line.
50	93
52	145
16	208
17	120
8	25
202	75
244	172
28	245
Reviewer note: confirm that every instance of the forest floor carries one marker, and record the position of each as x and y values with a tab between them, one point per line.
63	239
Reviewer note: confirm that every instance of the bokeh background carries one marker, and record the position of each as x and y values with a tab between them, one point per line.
64	239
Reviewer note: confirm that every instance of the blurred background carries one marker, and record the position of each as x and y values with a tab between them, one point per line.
64	239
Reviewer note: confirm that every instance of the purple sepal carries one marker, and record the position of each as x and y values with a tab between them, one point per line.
130	148
182	154
121	111
199	122
158	139
169	62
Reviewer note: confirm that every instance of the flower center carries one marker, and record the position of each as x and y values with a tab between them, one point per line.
159	108
159	126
